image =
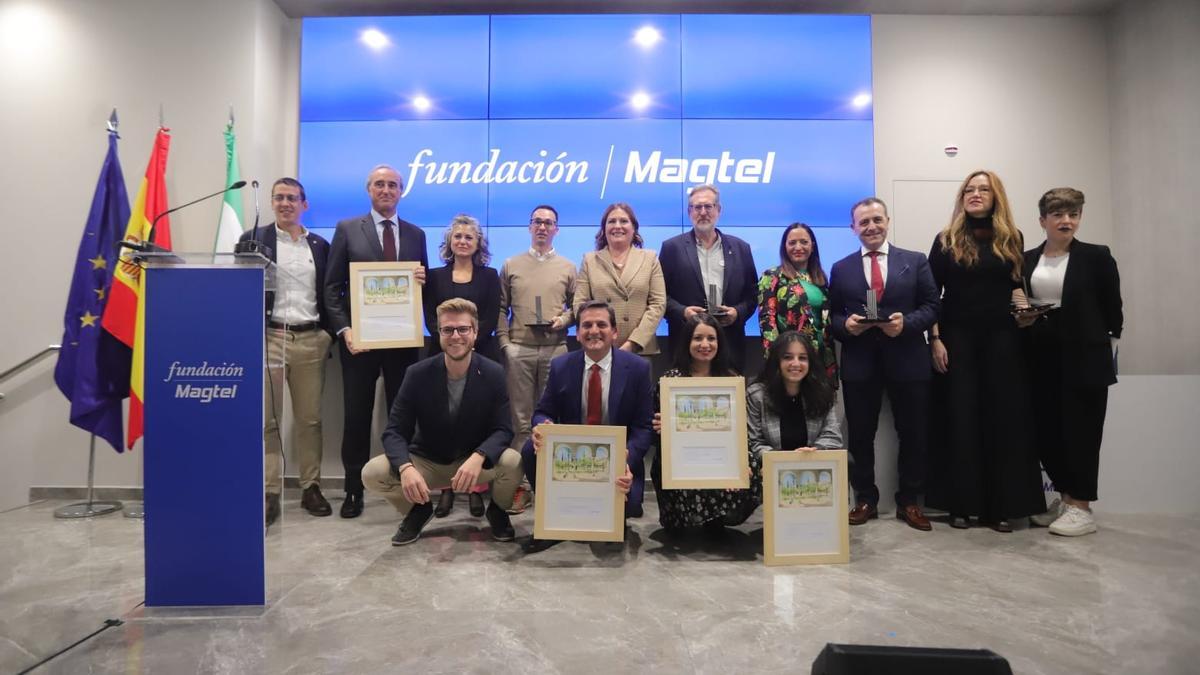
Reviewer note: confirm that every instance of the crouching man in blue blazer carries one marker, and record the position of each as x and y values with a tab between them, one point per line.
449	427
598	385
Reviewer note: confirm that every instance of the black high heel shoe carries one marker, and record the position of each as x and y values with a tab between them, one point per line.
475	499
445	504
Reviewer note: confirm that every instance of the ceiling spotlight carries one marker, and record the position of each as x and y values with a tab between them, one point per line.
421	103
640	101
647	36
374	39
861	101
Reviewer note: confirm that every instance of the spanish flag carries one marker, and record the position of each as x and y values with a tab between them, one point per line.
123	316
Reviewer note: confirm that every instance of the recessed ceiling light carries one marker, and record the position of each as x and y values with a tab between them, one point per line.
421	103
374	39
647	36
862	100
640	100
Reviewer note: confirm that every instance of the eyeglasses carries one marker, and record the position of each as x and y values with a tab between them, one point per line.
702	207
285	198
542	222
449	331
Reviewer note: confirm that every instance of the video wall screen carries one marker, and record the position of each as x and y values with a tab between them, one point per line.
492	115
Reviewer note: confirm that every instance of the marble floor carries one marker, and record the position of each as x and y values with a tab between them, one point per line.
342	600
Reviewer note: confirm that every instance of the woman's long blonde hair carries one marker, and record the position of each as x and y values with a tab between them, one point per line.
1007	241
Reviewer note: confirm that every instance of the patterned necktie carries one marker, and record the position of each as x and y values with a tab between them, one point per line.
595	395
389	242
876	276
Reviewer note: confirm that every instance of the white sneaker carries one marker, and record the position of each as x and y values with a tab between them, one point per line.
1074	522
1057	508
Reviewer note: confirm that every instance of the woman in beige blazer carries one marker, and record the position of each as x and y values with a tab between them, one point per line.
627	277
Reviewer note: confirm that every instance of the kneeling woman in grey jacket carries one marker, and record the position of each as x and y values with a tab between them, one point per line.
791	404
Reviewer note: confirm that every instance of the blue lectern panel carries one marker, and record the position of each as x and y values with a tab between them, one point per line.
203	437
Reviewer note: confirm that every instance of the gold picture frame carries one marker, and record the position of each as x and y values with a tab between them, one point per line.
385	305
704	433
805	508
577	470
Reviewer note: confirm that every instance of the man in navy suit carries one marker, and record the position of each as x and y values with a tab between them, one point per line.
891	356
598	385
297	325
376	236
704	258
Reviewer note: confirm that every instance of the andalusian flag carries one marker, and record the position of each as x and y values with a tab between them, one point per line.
123	316
230	226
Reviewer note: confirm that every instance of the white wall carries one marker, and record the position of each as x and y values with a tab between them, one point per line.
1024	96
1154	70
64	64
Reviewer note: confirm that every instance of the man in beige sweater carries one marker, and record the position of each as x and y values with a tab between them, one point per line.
536	289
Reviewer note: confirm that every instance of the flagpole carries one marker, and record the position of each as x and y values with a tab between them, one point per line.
91	507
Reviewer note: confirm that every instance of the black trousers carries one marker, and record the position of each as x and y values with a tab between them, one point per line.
1069	425
360	372
910	408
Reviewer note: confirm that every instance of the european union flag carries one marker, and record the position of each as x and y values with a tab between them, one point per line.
93	366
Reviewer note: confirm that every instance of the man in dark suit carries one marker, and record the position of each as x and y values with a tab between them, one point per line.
704	260
297	326
891	356
618	393
450	426
376	236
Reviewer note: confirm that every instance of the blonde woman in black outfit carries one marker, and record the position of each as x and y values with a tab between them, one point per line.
982	459
1071	357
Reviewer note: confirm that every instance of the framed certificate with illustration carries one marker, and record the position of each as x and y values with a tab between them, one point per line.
577	471
805	508
385	305
704	433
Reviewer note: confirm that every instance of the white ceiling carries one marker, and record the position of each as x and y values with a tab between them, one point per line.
302	8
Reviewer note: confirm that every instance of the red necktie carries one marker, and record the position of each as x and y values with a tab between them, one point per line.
595	394
389	242
876	276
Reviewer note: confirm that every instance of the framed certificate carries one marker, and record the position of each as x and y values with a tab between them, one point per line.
704	432
385	305
805	507
577	472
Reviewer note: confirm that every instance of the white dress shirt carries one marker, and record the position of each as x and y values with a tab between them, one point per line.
296	286
605	377
712	270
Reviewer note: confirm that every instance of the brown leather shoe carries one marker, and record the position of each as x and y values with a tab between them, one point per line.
862	512
912	515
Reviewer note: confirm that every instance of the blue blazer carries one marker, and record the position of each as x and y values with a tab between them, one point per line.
320	254
908	289
420	423
685	287
355	240
630	398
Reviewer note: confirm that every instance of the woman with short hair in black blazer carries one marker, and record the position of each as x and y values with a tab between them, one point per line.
1071	356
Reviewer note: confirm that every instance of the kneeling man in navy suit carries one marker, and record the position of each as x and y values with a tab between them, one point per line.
449	427
598	385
